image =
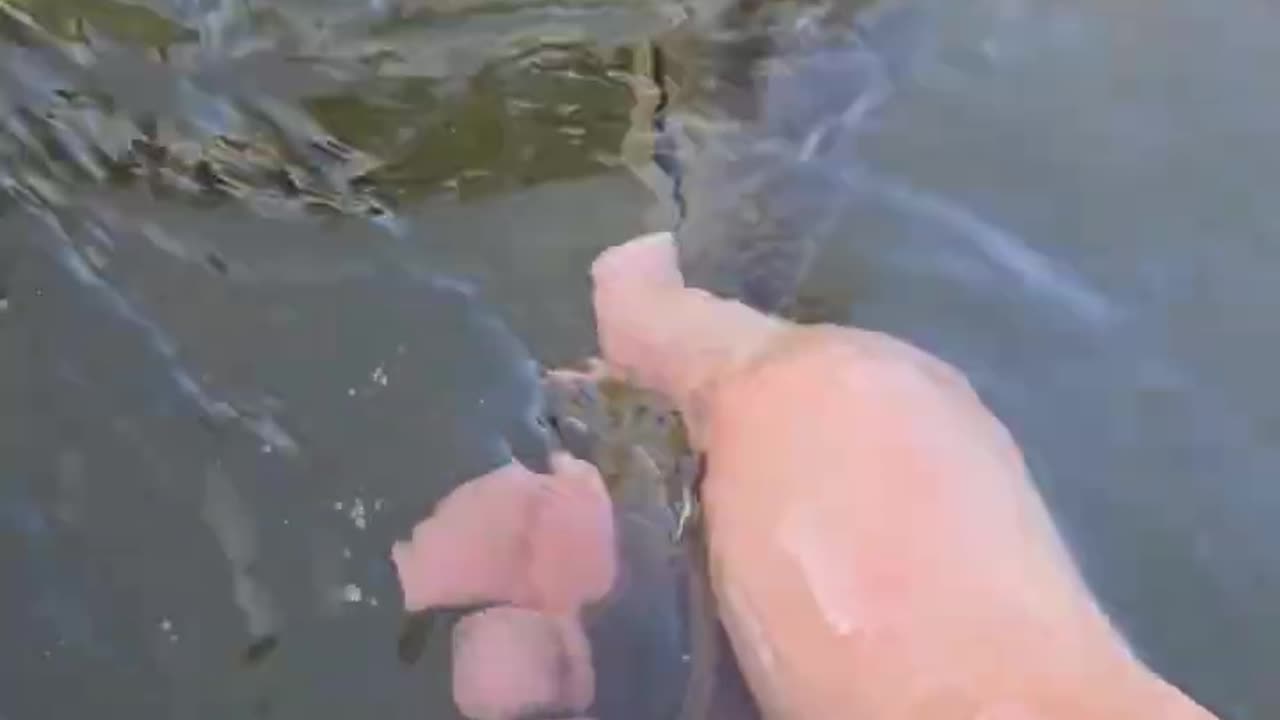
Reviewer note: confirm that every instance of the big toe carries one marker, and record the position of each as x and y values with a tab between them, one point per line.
666	336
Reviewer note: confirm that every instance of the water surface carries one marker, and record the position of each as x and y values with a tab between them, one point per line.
275	276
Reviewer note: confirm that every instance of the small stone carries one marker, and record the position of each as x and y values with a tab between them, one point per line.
357	514
351	593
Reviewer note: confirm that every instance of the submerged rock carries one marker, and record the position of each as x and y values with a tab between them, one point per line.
638	441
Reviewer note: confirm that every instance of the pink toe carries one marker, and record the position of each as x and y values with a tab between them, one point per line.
471	548
649	260
573	558
510	662
514	536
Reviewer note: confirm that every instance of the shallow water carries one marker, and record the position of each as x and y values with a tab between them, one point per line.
275	276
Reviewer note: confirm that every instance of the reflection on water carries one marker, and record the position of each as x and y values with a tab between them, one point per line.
244	343
273	276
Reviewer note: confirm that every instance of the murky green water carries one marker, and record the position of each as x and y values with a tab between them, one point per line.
275	276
